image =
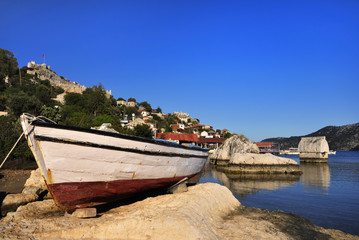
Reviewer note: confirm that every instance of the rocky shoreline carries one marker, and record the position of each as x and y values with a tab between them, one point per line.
238	155
205	211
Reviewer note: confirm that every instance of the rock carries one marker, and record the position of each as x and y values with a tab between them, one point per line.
239	155
178	188
260	159
235	144
85	213
107	127
190	215
206	211
313	149
12	201
35	184
260	163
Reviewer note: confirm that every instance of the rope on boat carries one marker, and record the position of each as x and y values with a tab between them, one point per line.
12	149
32	119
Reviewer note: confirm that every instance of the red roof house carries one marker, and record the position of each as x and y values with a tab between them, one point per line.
185	138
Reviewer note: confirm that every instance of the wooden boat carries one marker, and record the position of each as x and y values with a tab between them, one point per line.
87	167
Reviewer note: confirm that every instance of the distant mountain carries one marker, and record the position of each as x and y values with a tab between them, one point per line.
345	138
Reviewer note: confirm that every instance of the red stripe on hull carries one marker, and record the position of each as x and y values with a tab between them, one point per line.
85	194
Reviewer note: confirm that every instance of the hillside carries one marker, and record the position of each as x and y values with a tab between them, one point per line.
38	90
345	138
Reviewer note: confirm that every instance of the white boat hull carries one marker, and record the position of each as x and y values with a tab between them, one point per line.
84	167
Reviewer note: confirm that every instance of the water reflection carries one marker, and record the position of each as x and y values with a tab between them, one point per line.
244	184
316	176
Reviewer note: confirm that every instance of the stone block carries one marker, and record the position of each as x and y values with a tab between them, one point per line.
85	213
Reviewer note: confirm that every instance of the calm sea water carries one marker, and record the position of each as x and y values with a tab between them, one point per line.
327	194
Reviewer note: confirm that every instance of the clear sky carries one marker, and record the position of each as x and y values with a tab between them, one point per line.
261	68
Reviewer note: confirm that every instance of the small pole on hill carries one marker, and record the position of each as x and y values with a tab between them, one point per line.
44	57
20	75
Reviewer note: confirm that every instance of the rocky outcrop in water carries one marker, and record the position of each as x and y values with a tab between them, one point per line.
239	155
342	138
313	149
235	144
259	159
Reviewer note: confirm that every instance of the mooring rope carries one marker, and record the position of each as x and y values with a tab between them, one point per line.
12	149
32	119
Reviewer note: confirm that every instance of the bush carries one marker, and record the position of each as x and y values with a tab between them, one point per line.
23	103
104	118
51	113
143	131
10	130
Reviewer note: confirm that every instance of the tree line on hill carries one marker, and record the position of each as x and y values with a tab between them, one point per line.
24	93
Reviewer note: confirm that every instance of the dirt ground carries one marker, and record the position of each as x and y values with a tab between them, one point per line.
12	181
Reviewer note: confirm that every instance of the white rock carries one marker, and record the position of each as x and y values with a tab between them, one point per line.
235	144
260	159
190	215
35	183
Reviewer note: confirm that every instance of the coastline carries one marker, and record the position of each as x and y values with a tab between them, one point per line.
206	211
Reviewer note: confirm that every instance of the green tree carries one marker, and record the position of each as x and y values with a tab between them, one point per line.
168	129
143	130
158	110
103	118
130	111
10	130
95	99
21	103
146	106
227	135
74	99
52	113
43	93
3	101
8	63
131	99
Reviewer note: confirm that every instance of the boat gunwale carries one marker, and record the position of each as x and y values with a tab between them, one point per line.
109	147
117	135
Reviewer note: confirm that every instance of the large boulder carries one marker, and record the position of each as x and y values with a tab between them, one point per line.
260	163
260	159
235	144
195	214
313	149
12	201
35	184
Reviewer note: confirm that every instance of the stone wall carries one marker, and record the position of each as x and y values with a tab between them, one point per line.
44	72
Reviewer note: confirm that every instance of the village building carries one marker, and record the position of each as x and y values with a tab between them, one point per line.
211	143
183	139
225	131
131	104
144	113
204	134
182	116
268	147
121	102
3	113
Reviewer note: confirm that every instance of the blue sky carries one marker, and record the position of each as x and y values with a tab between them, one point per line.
261	68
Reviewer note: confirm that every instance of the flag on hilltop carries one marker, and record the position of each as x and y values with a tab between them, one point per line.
43	55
